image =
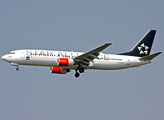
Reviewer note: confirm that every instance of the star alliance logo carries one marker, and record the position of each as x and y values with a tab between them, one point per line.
143	49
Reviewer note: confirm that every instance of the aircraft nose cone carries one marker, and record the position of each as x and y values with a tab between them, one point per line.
4	57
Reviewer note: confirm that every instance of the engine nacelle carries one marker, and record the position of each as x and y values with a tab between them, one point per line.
65	62
59	70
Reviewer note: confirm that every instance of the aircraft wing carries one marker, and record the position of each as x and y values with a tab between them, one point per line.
85	58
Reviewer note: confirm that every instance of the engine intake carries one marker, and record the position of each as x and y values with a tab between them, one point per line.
65	62
59	70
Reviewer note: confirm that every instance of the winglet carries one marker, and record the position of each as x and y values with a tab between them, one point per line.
108	43
150	57
99	49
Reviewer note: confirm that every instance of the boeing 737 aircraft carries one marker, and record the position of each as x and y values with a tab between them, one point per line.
61	62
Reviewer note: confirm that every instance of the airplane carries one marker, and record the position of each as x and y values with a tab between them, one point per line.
61	62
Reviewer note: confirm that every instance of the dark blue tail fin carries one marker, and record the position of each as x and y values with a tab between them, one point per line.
143	47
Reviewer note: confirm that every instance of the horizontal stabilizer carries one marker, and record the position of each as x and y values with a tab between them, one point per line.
150	57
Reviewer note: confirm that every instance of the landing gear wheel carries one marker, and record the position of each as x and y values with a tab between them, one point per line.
81	70
77	74
17	68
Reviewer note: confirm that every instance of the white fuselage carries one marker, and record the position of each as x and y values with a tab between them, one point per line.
49	58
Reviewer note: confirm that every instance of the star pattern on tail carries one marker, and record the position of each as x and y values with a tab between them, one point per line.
143	49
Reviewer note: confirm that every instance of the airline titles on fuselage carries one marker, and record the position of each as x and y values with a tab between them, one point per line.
65	54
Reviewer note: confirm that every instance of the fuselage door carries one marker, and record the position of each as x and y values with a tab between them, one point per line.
23	54
128	62
106	56
21	57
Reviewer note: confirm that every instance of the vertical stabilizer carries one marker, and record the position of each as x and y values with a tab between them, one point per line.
143	47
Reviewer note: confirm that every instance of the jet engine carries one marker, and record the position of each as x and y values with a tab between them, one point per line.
59	70
65	62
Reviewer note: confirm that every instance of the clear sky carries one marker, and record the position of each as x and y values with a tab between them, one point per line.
33	93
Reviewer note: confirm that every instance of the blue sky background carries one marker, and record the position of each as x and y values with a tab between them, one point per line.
34	93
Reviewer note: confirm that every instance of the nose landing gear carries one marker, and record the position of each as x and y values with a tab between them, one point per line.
15	64
17	68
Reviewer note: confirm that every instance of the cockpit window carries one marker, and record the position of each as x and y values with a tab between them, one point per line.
12	52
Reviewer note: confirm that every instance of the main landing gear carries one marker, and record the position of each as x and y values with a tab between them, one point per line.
77	74
81	70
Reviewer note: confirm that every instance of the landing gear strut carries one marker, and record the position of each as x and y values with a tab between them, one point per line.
15	64
81	70
17	68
